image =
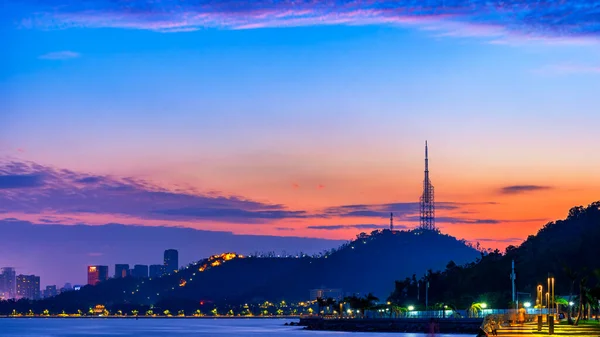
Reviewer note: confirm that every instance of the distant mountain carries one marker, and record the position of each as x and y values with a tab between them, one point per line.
567	249
370	263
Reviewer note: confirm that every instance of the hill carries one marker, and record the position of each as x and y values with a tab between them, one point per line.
567	249
370	263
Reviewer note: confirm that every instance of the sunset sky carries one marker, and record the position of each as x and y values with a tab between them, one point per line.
291	119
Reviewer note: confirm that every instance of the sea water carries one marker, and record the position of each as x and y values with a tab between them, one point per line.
78	327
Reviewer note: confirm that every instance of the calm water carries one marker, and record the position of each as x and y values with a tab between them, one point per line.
40	327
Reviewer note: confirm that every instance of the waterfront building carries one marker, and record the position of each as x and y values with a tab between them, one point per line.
140	271
171	261
97	274
50	291
8	282
336	294
28	286
121	270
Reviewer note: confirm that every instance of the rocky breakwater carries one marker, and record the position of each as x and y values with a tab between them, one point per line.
448	325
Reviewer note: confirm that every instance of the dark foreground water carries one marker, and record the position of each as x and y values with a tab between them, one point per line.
45	327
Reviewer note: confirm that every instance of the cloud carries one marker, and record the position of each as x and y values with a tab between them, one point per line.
60	55
232	213
470	18
401	209
14	181
40	189
503	240
360	226
518	189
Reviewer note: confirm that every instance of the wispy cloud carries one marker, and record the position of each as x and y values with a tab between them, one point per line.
32	188
60	55
554	18
359	226
15	181
56	194
518	189
503	240
401	210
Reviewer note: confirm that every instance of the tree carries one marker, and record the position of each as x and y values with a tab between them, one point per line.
475	309
321	303
330	302
563	302
572	275
582	298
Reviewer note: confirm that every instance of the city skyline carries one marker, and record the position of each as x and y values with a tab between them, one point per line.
286	120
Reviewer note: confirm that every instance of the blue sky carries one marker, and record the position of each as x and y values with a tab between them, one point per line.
298	108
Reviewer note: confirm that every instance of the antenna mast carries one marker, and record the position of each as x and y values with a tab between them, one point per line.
427	201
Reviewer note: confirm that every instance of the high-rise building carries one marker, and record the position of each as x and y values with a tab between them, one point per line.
336	294
121	270
171	261
157	270
140	271
50	291
8	282
97	274
28	286
2	294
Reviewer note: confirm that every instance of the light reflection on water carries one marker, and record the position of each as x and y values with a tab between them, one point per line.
44	327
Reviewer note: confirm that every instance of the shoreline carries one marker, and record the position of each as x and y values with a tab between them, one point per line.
150	317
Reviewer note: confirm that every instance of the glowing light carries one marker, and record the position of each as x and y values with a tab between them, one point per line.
571	304
483	305
411	308
527	304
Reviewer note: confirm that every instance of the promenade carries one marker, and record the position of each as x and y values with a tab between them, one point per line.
591	329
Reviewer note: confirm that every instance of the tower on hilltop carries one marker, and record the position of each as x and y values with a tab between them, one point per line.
427	201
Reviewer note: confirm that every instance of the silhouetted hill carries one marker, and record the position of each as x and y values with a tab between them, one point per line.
568	249
370	263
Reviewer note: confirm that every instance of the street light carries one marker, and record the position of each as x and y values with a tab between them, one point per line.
571	304
411	308
483	305
526	304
